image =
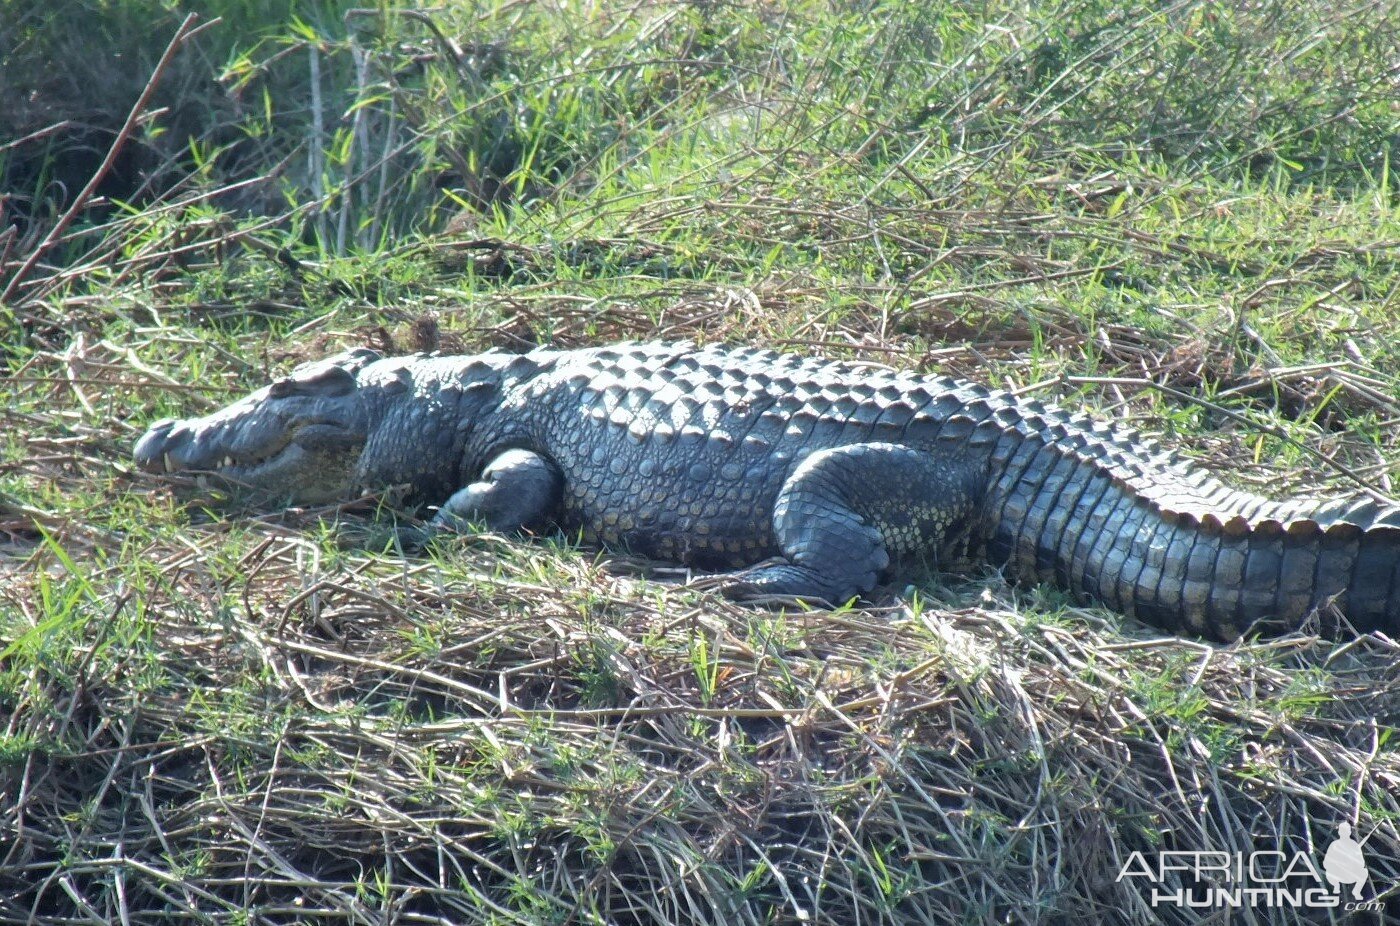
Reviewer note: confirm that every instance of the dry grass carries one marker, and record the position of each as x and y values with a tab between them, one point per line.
250	720
372	741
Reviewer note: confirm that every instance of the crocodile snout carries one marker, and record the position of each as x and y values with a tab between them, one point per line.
159	449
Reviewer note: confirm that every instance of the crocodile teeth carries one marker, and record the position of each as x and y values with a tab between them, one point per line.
228	461
169	464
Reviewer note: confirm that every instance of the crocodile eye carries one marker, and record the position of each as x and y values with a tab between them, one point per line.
327	381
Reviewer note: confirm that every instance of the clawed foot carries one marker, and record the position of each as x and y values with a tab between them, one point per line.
781	582
414	539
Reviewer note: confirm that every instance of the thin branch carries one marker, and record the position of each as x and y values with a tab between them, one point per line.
182	34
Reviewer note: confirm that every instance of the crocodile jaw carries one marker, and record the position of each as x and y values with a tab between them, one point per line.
304	462
300	439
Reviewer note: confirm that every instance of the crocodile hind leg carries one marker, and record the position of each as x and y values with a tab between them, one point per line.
844	513
518	490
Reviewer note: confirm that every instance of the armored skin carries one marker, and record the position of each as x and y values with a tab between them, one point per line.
810	477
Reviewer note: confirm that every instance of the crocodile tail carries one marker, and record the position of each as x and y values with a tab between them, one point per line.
1247	566
1118	521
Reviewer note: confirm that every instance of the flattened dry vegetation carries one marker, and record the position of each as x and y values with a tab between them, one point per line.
518	735
1180	216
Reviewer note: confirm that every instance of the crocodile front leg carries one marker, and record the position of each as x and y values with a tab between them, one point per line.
518	490
845	512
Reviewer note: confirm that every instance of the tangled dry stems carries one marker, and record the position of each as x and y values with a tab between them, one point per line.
299	734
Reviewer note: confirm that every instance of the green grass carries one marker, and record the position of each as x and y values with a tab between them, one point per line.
1182	216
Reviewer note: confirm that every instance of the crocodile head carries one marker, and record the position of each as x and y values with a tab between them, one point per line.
300	438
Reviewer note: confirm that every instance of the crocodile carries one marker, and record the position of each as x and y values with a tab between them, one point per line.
802	478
